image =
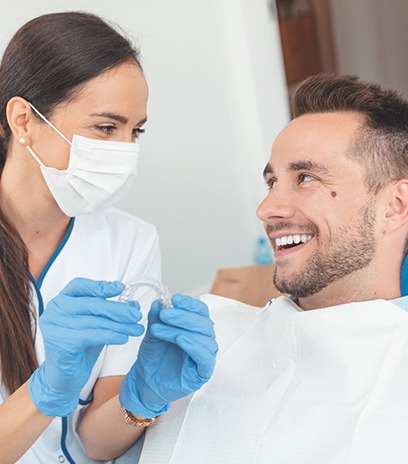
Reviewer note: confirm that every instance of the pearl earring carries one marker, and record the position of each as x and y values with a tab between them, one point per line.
22	140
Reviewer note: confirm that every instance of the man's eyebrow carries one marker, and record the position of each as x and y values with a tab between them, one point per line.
117	117
307	166
303	165
268	170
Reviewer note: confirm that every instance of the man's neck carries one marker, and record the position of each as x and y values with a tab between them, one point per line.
353	289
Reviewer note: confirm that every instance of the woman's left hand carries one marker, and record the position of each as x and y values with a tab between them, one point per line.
176	357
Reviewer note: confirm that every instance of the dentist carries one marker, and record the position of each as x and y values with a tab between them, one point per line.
72	107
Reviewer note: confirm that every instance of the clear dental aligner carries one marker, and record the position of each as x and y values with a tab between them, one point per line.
162	291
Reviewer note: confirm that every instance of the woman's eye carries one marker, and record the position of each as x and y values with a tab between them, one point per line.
107	130
137	132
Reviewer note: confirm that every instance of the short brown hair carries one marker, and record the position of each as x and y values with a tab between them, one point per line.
381	146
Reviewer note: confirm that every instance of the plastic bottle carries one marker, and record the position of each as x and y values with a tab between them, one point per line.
263	251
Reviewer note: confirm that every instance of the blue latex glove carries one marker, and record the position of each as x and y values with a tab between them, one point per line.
176	357
76	325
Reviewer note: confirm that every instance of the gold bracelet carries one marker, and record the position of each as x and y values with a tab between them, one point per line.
135	422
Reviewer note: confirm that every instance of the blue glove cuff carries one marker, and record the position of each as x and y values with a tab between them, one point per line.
49	401
130	399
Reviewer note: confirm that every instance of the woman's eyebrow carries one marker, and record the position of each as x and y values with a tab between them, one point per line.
117	117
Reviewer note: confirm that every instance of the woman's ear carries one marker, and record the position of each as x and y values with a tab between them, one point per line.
19	117
397	208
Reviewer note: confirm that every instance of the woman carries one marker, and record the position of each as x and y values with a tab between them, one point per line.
72	106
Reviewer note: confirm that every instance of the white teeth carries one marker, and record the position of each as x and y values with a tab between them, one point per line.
290	239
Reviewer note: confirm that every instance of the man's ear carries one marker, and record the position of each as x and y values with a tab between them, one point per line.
396	215
19	115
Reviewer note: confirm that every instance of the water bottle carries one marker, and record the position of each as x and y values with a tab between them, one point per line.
263	251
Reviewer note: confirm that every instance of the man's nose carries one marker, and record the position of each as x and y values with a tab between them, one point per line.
275	206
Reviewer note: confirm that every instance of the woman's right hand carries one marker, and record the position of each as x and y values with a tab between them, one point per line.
76	325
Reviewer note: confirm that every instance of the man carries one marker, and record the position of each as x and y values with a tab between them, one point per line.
320	377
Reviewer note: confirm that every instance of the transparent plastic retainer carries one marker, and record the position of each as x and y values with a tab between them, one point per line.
162	291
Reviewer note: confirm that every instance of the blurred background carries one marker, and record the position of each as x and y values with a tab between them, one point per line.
363	37
220	74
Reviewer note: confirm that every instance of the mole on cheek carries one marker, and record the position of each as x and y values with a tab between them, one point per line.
333	194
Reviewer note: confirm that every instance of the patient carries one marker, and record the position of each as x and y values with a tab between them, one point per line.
320	377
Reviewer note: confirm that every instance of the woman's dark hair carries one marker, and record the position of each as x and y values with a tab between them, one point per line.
46	62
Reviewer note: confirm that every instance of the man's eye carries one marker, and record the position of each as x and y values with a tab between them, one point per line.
271	183
306	178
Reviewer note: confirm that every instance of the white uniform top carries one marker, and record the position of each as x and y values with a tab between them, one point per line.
105	246
328	386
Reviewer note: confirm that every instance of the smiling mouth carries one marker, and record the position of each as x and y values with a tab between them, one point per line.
290	241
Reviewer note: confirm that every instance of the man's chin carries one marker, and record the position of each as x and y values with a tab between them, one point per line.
284	284
285	281
296	285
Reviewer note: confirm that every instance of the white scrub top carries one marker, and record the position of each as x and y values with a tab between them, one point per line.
105	246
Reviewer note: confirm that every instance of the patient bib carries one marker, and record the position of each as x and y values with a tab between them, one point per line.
327	386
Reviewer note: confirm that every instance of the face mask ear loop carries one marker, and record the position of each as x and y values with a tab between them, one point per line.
50	124
35	156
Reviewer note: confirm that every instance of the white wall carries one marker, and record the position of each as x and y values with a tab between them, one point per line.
370	40
217	99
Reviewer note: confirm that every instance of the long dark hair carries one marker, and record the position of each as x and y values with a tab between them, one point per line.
45	62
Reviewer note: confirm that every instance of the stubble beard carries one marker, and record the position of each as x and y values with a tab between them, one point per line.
352	249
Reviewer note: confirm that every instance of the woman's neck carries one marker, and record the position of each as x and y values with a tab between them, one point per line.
34	214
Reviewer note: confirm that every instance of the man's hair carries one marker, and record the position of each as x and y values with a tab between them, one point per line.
381	145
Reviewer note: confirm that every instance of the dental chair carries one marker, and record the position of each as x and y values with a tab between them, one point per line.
404	278
252	285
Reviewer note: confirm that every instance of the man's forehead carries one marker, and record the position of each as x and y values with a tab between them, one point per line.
345	117
312	141
311	127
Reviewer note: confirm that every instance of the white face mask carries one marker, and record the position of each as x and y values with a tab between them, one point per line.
99	173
